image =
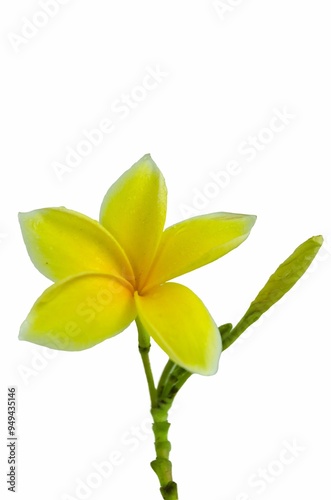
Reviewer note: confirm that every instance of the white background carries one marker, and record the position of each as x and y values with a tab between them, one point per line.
223	77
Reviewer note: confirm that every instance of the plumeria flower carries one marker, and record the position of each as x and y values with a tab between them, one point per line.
107	274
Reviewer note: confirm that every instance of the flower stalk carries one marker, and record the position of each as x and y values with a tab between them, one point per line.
144	346
161	402
162	465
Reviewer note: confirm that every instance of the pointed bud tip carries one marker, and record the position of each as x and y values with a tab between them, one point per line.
147	161
253	219
22	215
318	239
22	332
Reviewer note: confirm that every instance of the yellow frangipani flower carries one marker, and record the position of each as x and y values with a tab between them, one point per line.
111	272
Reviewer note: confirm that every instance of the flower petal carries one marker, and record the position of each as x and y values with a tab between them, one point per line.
134	211
79	312
181	325
196	242
63	243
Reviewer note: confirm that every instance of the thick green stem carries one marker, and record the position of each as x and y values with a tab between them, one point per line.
172	379
159	410
162	466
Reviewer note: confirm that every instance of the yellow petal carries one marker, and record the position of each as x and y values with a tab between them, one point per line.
134	211
181	325
62	243
196	242
79	312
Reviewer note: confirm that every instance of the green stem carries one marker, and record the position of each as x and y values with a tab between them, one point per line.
165	376
176	379
144	346
162	466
